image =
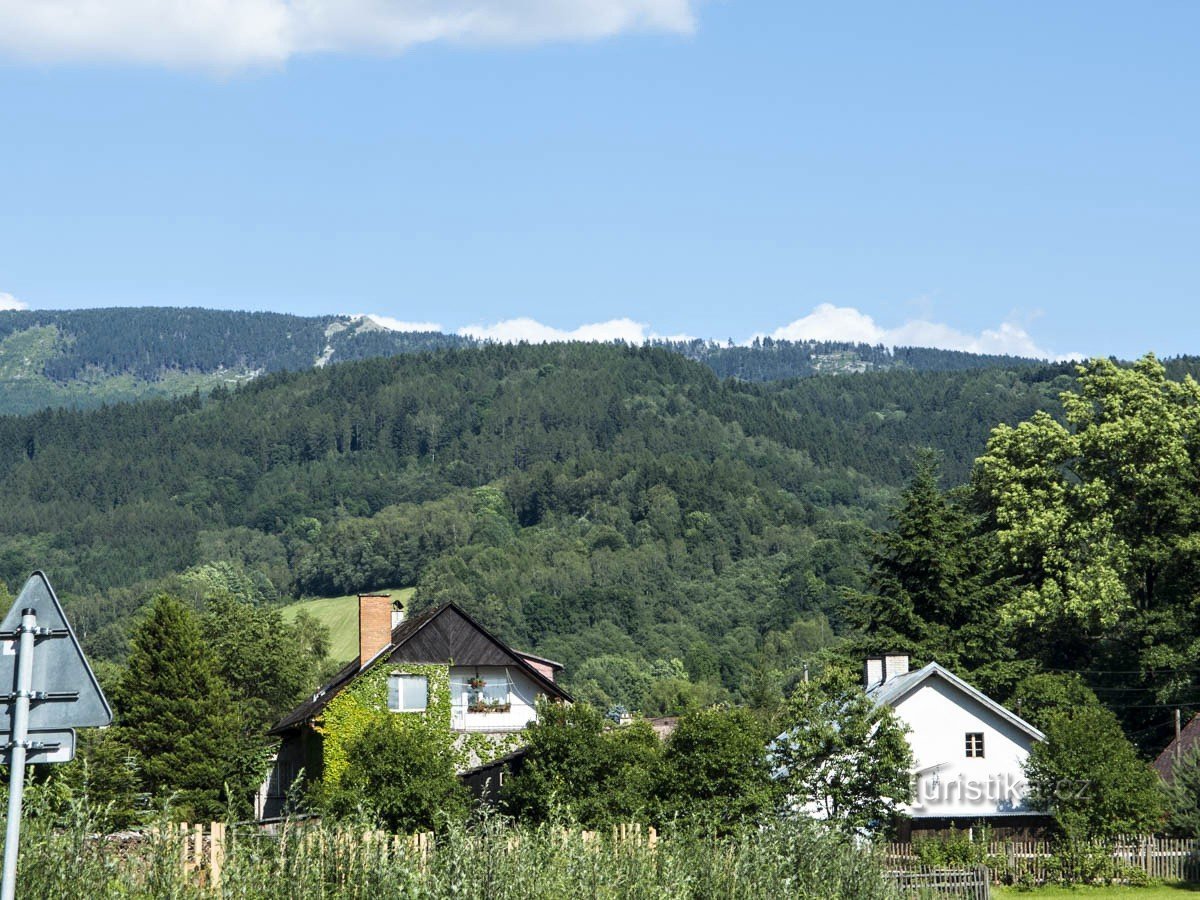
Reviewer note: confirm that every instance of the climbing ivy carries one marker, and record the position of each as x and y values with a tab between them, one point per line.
363	703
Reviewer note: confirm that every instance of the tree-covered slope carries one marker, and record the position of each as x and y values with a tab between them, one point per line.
591	501
87	357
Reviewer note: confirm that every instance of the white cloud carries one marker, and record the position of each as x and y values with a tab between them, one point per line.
511	331
396	324
825	323
845	323
8	301
832	323
229	34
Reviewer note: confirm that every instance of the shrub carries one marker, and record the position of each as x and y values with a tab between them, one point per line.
400	779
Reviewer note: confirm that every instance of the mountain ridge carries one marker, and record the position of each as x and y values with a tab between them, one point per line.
84	358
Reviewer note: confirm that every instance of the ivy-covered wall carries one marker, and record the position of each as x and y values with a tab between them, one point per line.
363	703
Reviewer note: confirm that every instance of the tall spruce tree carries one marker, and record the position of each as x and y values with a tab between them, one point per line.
927	593
176	711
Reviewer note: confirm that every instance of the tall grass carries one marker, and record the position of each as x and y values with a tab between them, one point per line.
489	859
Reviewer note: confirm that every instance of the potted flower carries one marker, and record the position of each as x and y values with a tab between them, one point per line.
476	683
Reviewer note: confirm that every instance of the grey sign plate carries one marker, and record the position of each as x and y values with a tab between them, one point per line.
46	746
66	693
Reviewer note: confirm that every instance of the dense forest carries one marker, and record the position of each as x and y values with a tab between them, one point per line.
672	537
85	358
381	472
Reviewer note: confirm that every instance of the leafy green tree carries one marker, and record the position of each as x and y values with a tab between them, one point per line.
178	714
402	779
580	767
1184	795
1097	516
715	769
674	696
842	757
268	663
611	679
1038	698
1089	777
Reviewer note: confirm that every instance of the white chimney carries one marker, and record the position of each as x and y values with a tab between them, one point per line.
872	672
895	665
397	613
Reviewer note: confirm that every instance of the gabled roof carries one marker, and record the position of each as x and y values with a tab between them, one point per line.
1187	742
433	644
896	689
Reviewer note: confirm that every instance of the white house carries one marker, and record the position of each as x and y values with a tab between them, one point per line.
968	750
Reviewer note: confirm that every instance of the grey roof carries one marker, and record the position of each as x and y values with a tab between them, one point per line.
896	689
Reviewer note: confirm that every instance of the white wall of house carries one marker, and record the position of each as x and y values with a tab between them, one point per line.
948	782
518	688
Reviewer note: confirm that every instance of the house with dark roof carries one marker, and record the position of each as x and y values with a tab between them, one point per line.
969	751
1186	743
441	669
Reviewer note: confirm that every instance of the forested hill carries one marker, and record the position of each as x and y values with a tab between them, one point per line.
83	358
589	500
86	357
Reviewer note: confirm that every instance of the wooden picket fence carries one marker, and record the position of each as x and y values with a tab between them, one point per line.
968	884
202	851
1167	859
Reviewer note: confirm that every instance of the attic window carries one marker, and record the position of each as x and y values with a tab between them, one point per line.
974	744
407	693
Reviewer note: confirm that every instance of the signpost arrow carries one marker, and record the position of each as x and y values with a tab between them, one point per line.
40	704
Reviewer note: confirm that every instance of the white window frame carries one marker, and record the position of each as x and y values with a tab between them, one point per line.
397	679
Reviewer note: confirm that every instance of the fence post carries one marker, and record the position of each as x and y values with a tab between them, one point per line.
183	832
216	853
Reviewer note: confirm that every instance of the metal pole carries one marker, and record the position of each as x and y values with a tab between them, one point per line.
16	760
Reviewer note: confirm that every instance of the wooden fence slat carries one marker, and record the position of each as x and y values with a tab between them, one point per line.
1160	858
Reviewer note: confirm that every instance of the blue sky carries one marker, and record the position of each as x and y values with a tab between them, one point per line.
1019	176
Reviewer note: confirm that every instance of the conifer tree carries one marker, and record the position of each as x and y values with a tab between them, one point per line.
929	595
176	711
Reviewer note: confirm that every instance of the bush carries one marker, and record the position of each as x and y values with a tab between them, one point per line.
956	849
398	777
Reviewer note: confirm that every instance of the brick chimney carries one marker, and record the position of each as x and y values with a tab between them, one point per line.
374	625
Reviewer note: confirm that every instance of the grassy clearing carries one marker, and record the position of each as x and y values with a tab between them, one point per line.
340	615
1153	892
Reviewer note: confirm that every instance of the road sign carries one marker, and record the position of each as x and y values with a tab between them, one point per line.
46	690
65	693
50	746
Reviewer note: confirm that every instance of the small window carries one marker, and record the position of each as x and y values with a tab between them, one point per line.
496	691
407	693
974	744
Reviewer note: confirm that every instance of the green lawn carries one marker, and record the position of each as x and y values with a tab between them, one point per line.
1154	892
341	615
